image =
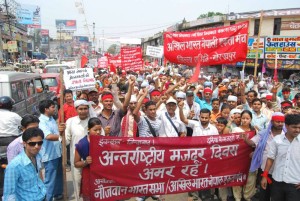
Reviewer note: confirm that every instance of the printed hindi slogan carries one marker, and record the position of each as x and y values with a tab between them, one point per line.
131	58
131	167
214	46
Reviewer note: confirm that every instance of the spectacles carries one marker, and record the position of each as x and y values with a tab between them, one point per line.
33	144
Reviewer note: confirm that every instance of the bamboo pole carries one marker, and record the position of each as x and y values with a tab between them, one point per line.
64	150
244	64
258	41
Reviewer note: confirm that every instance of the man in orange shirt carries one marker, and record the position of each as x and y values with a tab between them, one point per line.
215	112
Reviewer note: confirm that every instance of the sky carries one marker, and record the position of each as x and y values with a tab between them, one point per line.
140	18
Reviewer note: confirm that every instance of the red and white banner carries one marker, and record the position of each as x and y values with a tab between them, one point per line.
103	62
115	60
131	167
131	58
209	47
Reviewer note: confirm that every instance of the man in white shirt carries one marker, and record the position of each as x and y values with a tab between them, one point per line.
10	121
191	108
76	129
262	143
202	128
284	154
174	129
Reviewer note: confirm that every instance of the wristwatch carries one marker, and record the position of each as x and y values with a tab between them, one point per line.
84	162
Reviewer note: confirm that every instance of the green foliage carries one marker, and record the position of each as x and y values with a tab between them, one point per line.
209	14
112	49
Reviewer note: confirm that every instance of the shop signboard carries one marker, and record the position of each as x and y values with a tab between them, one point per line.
287	47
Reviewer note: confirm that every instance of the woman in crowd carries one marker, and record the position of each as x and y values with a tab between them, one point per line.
82	158
247	191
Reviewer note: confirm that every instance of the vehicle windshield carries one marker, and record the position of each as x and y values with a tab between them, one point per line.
50	81
55	69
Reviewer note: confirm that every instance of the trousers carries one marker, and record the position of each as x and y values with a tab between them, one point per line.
282	191
247	191
76	175
53	178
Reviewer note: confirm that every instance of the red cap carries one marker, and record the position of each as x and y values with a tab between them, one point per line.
207	90
155	93
145	100
269	97
286	104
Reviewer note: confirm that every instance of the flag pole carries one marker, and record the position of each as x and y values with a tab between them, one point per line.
64	151
258	41
244	64
275	69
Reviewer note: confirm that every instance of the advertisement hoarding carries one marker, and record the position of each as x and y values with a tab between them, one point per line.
66	25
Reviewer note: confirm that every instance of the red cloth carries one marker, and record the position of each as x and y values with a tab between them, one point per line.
84	61
195	76
113	69
85	182
69	111
125	126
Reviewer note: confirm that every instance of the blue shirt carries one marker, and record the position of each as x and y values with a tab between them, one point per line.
51	149
257	120
204	104
22	181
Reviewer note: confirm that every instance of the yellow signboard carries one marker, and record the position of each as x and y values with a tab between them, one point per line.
12	46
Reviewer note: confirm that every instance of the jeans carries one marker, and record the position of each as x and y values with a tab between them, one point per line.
53	178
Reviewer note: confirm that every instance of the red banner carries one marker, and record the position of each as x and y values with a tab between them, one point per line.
131	167
131	58
114	60
103	62
209	47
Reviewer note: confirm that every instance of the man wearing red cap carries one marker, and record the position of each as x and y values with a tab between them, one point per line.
262	143
206	103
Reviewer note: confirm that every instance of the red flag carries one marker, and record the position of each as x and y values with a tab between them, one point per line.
84	61
196	74
113	69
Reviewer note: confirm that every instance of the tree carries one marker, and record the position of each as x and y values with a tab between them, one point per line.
112	49
209	14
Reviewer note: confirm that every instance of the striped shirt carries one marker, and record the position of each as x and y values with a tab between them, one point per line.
144	130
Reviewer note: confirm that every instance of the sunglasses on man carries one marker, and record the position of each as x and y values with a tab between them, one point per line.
33	144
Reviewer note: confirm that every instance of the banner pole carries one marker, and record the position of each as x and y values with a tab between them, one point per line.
244	64
258	41
64	151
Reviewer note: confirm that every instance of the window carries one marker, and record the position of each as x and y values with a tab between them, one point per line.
232	22
29	86
39	85
277	26
256	26
17	91
50	81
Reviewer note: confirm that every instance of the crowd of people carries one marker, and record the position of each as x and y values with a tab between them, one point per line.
158	103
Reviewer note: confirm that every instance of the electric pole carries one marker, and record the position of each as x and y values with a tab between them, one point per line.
94	44
103	41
